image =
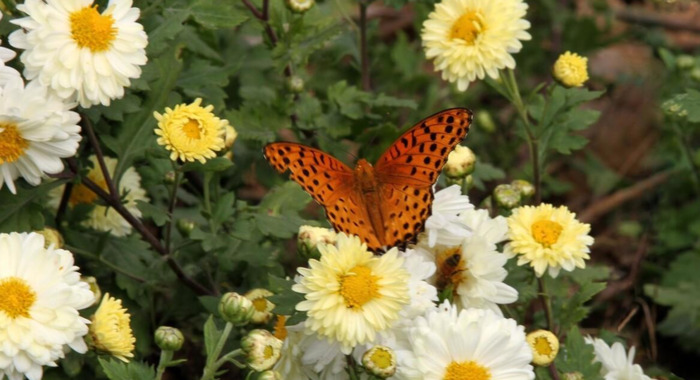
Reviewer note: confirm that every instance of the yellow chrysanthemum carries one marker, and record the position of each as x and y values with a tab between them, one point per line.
469	39
571	69
191	132
110	330
352	294
548	237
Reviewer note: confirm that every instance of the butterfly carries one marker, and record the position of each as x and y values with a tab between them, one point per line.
385	204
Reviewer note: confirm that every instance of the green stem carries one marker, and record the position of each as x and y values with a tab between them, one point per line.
211	367
228	357
685	150
165	358
547	304
208	176
171	208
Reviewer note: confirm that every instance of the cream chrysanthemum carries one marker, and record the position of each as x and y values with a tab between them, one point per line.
467	344
110	330
548	237
191	132
616	364
79	53
41	295
350	294
470	39
103	218
571	69
37	129
443	225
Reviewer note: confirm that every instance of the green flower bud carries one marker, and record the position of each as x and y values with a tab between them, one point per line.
506	196
685	61
270	375
299	6
51	236
262	349
460	162
695	74
525	188
573	376
380	361
169	338
309	239
169	178
295	84
236	309
185	226
485	121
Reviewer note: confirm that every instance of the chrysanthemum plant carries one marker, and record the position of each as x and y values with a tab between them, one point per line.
168	202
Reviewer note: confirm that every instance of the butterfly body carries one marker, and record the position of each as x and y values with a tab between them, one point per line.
385	204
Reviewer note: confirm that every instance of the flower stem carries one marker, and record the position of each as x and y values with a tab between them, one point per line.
212	360
547	304
171	208
228	357
685	150
165	357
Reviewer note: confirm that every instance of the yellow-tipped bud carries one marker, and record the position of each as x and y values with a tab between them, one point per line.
262	308
573	376
485	121
236	309
507	196
380	361
169	338
295	84
51	236
460	162
185	226
525	188
94	287
310	237
571	70
544	345
262	349
299	6
230	136
270	375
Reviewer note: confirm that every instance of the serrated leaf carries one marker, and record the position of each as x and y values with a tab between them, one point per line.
689	102
159	215
215	14
223	208
288	197
117	370
285	299
349	99
577	356
211	335
19	212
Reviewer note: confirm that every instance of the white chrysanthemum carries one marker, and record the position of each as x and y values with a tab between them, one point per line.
41	295
350	294
616	364
294	340
443	226
422	295
466	344
103	218
37	129
548	238
469	39
79	53
7	73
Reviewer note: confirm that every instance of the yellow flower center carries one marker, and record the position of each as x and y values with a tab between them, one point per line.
81	194
546	232
542	346
381	358
280	331
260	304
12	144
92	30
358	287
192	129
268	352
17	297
468	27
466	370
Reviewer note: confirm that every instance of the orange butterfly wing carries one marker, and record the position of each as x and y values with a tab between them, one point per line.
408	169
329	182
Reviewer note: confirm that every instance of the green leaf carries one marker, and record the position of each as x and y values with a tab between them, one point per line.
217	164
288	197
223	208
117	370
215	14
572	310
484	172
20	212
577	356
158	214
349	99
211	335
689	102
285	299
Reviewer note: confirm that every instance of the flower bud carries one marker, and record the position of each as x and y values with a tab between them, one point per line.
380	361
310	237
573	376
92	283
299	6
270	375
185	226
524	187
262	349
695	74
544	345
229	136
685	61
295	84
460	162
236	309
262	308
485	121
169	338
571	70
506	196
51	236
169	178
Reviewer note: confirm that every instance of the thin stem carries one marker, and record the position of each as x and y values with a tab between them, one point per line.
364	55
107	263
230	357
145	233
63	205
211	368
165	357
171	208
100	157
547	304
553	371
253	9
